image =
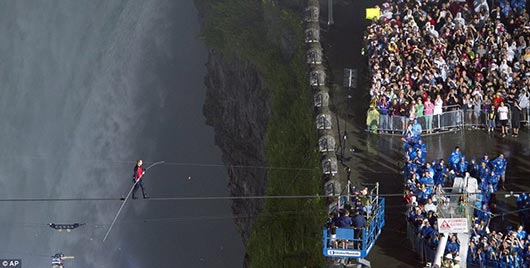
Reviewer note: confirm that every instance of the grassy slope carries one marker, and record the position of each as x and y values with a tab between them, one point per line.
288	232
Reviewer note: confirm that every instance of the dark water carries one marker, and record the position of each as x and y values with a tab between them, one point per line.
86	88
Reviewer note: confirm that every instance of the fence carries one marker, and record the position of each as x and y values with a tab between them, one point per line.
425	248
430	123
479	119
453	118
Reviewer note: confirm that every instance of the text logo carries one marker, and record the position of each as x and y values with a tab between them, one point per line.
11	263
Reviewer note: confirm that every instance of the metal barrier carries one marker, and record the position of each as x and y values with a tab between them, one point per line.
480	119
452	118
425	249
525	116
445	121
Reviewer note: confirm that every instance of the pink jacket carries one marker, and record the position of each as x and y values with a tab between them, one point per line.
428	108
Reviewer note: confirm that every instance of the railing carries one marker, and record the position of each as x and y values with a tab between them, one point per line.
425	249
356	243
448	120
453	118
479	119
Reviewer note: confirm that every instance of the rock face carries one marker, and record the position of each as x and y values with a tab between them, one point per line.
238	108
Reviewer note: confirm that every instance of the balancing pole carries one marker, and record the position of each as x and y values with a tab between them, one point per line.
119	211
125	201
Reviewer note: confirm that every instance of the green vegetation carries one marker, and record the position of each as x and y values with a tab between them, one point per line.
288	232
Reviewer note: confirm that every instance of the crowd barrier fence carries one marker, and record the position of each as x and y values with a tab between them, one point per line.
453	118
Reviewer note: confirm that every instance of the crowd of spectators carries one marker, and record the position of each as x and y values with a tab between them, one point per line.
424	191
428	56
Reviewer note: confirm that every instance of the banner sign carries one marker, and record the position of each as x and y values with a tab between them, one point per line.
453	225
344	253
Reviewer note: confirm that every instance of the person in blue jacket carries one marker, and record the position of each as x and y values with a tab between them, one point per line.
483	214
452	246
426	230
423	195
416	217
473	168
344	221
493	180
420	158
412	154
521	233
416	128
429	170
518	5
462	167
440	172
483	171
483	184
409	134
499	166
421	145
383	106
486	159
454	158
427	180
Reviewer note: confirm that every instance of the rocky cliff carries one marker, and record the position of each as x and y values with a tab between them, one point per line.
260	105
238	109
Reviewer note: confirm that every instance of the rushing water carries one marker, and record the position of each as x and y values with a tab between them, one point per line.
86	88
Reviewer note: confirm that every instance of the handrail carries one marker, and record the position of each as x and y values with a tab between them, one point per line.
464	118
432	123
361	244
445	107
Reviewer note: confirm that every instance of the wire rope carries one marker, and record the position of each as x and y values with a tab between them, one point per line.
170	163
199	198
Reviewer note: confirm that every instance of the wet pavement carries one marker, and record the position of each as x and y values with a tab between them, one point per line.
378	157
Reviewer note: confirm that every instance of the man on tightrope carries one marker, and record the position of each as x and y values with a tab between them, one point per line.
137	179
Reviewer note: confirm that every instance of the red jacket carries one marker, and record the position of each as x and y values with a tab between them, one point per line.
138	172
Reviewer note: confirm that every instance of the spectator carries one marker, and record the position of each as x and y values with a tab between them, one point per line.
502	113
366	201
453	246
384	109
419	108
359	222
438	104
491	114
499	167
372	119
430	206
521	233
452	49
416	127
471	58
344	220
428	110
